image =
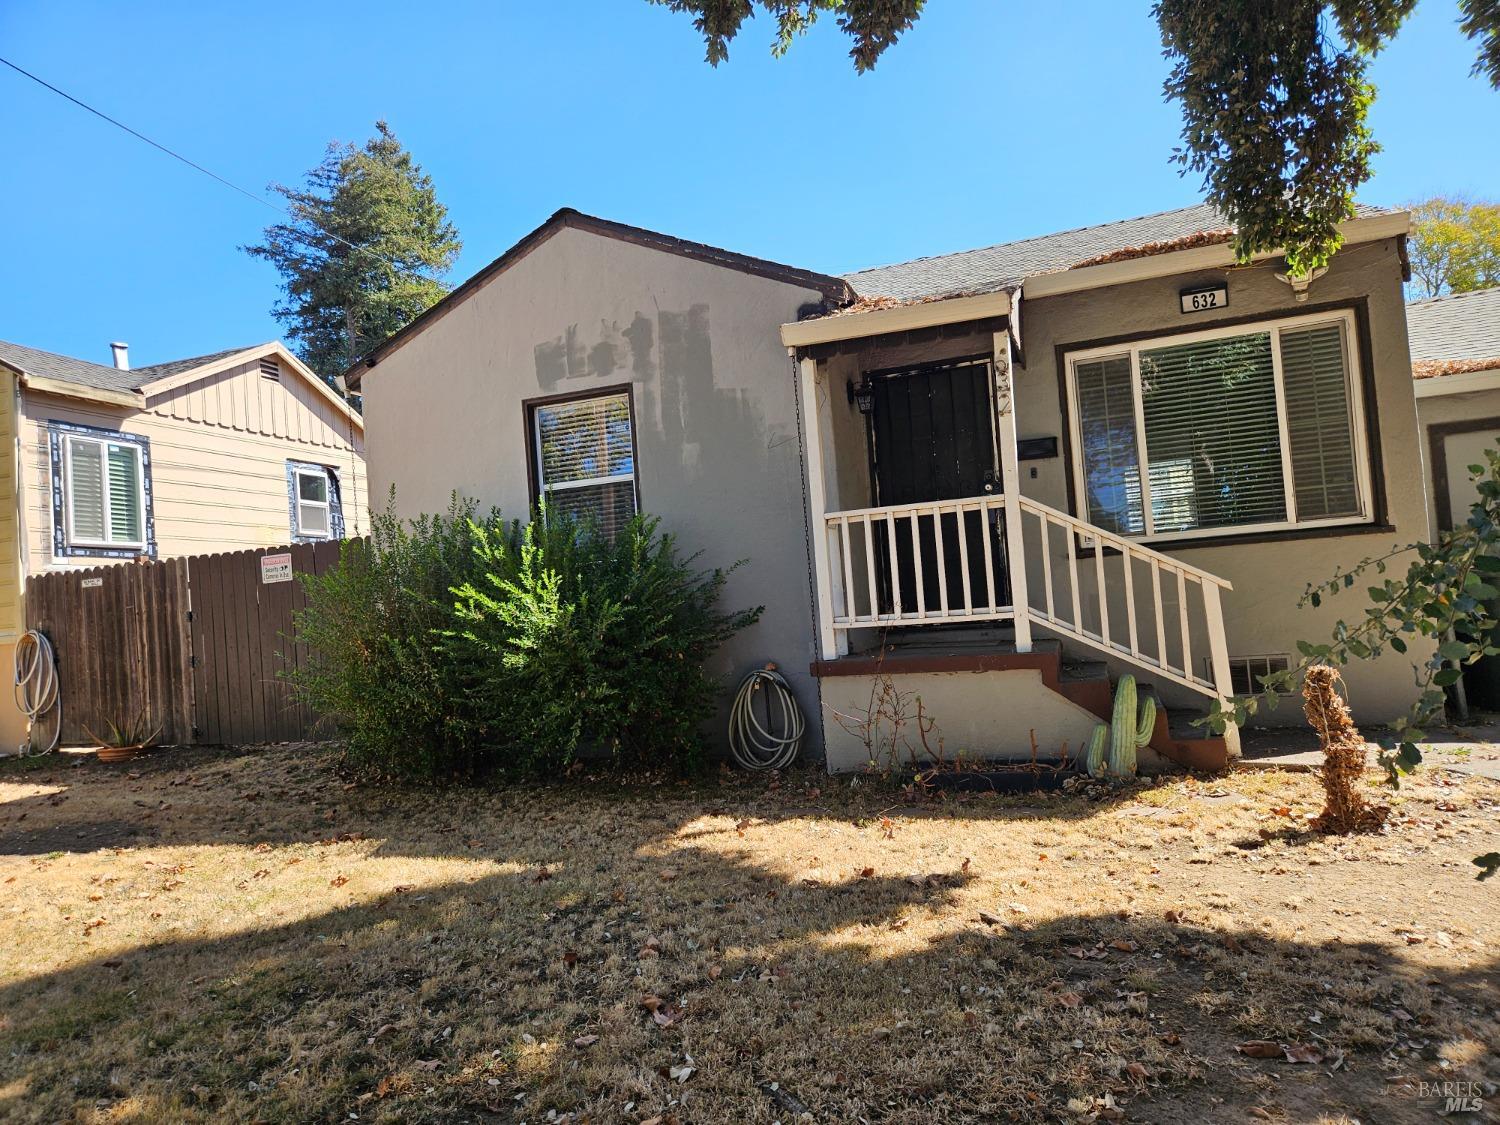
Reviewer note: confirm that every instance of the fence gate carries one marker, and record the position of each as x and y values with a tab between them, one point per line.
241	643
193	645
121	638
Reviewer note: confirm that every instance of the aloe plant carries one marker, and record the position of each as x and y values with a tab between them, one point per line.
1112	749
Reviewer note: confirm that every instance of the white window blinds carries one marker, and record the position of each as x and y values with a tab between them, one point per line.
105	500
1226	430
585	453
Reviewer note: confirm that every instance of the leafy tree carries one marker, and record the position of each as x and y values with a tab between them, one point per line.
357	258
1274	93
1455	245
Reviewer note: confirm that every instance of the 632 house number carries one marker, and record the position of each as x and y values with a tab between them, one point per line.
1202	300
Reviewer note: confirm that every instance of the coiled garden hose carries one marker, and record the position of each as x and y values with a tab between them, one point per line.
36	687
753	745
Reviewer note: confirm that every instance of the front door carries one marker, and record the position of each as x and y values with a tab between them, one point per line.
932	437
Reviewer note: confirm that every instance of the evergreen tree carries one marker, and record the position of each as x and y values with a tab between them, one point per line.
362	254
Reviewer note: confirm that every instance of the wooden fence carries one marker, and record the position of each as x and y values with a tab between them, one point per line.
196	645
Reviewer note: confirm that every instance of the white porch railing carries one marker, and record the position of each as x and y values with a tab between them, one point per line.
949	561
917	564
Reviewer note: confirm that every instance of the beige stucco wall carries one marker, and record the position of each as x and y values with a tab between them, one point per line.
219	448
977	714
719	457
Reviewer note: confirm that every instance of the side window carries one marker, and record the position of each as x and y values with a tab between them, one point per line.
314	507
583	455
101	492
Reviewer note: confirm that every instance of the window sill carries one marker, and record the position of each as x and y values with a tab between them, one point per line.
1232	539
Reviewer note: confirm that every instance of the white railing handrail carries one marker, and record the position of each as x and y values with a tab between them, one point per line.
921	507
1123	544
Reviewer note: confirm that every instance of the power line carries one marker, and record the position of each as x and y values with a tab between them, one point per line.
258	198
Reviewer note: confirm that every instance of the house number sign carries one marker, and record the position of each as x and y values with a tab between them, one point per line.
1204	298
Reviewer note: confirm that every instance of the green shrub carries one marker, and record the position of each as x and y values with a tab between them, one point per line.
583	640
369	626
451	646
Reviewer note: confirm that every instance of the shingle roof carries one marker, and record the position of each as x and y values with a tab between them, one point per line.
1460	326
1005	266
66	369
155	371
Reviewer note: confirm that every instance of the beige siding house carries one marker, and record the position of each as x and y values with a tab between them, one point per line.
1003	478
241	449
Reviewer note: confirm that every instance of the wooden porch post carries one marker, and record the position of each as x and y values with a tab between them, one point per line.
818	423
1010	482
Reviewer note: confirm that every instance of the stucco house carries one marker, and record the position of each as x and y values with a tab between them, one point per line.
1002	477
240	449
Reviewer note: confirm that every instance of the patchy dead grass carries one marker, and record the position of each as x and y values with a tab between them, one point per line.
245	937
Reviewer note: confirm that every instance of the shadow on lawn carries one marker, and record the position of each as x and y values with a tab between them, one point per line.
221	796
363	1008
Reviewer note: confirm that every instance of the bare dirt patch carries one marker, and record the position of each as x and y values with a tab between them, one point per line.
249	937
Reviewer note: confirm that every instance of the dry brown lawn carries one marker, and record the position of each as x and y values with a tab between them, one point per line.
247	937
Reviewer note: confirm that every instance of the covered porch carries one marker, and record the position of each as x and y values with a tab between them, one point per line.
925	539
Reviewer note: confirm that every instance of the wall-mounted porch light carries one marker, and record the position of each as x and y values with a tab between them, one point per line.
862	396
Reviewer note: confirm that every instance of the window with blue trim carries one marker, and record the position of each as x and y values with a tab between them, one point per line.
101	492
314	505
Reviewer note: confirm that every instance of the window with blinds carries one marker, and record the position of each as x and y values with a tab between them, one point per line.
585	459
105	493
1227	430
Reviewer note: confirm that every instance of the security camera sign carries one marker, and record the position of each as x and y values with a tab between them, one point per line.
275	568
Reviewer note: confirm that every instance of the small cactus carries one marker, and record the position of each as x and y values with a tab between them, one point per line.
1127	733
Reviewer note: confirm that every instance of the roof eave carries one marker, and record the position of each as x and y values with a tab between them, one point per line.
877	322
1467	382
130	400
224	363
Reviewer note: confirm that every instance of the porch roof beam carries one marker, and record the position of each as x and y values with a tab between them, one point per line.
879	322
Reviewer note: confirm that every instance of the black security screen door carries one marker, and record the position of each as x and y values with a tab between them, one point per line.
932	437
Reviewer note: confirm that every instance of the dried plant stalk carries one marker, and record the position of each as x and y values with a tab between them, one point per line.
1344	810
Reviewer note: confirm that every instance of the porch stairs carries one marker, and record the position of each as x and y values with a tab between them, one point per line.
1023	566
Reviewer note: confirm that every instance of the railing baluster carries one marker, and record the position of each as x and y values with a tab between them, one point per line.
963	557
1046	525
1161	624
895	575
1127	557
942	557
989	554
1100	589
848	560
916	558
874	590
1182	620
1073	578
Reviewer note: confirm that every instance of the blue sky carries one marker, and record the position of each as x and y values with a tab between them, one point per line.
990	122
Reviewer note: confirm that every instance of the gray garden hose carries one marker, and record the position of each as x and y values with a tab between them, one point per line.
36	686
753	746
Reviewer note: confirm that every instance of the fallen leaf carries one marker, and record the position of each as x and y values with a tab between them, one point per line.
542	875
570	958
1070	999
867	873
1124	945
715	971
338	880
668	874
1304	1053
990	919
1137	1071
1260	1049
585	1041
1282	810
681	1073
427	1064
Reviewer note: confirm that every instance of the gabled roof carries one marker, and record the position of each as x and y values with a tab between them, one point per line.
834	289
1005	266
78	378
66	369
1455	333
152	372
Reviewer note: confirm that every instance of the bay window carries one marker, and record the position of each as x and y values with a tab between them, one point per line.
1229	430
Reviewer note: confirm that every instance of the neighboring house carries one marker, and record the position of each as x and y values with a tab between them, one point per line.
1455	361
1024	469
241	449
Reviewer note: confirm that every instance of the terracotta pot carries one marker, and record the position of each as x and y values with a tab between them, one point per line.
119	753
